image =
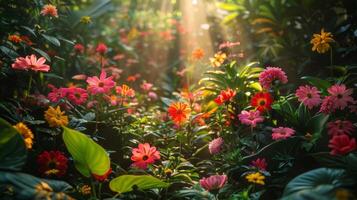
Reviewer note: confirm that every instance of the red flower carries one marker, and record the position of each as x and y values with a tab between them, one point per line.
52	163
101	48
144	155
226	95
103	177
179	112
262	101
79	48
260	163
341	144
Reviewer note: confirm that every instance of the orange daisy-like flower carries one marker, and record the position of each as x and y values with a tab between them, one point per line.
14	38
262	101
198	53
125	91
49	10
144	155
179	112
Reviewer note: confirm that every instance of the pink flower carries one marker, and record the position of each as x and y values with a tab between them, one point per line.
270	75
341	144
146	86
112	99
77	95
56	94
213	182
260	163
327	105
215	145
309	96
250	118
282	133
339	127
101	48
144	155
79	48
79	77
31	62
49	10
340	96
99	85
152	95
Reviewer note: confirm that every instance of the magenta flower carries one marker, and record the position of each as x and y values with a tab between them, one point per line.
215	145
327	105
309	96
260	163
282	133
100	85
101	48
341	144
340	127
271	74
56	94
77	96
340	96
250	118
31	62
213	182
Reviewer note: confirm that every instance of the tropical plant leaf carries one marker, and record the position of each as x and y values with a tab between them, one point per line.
126	183
52	39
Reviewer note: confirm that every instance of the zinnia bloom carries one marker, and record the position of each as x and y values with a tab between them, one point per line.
256	178
282	133
56	117
26	133
260	163
179	112
218	59
321	42
31	62
327	105
215	145
198	53
225	96
341	144
309	96
262	101
77	96
340	127
103	84
250	118
56	94
101	48
213	182
125	91
270	75
52	163
14	38
144	155
340	96
49	10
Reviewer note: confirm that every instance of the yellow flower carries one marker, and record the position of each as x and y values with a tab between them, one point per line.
321	42
85	189
56	117
257	178
86	19
218	59
26	134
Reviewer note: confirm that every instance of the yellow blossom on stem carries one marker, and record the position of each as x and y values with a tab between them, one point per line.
218	59
321	42
26	134
256	178
56	117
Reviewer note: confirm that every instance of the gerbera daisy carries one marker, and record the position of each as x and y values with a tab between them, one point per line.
56	94
309	96
341	144
77	96
250	118
218	59
31	62
103	84
144	155
271	75
179	112
215	145
282	133
49	10
321	42
256	178
340	96
262	101
52	163
213	182
339	127
26	133
56	117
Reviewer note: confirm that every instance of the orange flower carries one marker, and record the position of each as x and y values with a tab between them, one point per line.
198	53
179	112
49	10
218	59
14	38
125	91
262	101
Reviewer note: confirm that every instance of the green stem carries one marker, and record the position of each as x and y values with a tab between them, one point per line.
100	191
331	62
94	193
29	86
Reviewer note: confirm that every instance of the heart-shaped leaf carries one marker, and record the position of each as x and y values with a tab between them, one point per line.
89	157
126	183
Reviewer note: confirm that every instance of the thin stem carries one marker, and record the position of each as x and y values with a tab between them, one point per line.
100	191
331	62
29	86
93	189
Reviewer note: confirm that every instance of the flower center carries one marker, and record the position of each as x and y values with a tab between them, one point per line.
339	96
101	84
145	157
262	103
77	95
52	164
309	95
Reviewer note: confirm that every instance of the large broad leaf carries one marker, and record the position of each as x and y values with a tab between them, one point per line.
13	152
89	157
25	186
317	183
126	183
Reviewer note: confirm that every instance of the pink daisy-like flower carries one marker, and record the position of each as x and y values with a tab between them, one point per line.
282	133
49	10
144	155
340	96
250	118
77	95
327	105
213	182
260	163
341	144
309	96
270	75
103	84
339	127
215	145
31	62
56	94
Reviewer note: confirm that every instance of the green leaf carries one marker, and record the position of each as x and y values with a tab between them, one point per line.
9	52
319	83
52	40
13	152
230	6
125	183
89	157
42	53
